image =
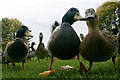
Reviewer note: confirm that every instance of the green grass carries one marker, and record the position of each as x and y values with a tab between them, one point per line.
33	68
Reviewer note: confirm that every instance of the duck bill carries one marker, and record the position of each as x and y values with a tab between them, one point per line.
40	35
113	26
78	17
89	16
27	33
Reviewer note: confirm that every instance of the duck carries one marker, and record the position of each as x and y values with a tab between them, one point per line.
41	52
118	38
114	28
98	45
55	25
1	56
81	36
64	41
116	33
31	54
17	50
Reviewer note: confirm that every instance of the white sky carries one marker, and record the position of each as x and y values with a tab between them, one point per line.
39	15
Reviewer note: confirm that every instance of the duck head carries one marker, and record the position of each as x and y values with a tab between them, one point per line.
81	36
55	24
40	37
72	16
113	25
91	18
23	31
32	44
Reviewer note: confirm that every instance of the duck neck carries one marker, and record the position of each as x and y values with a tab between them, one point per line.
24	39
92	26
93	29
41	40
32	48
70	22
115	31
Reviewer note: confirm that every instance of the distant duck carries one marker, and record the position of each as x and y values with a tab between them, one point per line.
116	33
118	38
1	56
17	50
54	26
81	37
41	52
31	53
114	28
64	41
97	46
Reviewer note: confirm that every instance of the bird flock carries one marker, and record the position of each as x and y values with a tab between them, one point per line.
64	43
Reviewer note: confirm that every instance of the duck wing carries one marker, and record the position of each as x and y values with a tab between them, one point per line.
16	50
57	29
110	37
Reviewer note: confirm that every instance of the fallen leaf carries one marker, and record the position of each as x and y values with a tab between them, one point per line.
45	73
67	67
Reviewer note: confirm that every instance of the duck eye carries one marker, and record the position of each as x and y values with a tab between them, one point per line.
26	31
93	10
77	14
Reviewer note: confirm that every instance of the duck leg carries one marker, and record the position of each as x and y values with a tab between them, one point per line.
47	59
82	67
118	56
30	59
23	65
113	60
7	65
51	63
50	71
91	63
13	64
38	60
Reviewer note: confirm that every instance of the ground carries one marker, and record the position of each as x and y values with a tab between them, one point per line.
33	68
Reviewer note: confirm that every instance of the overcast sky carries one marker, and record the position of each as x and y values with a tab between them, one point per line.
39	15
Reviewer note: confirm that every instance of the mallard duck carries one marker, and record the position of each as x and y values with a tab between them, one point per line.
41	52
64	41
31	53
114	28
98	45
118	38
17	50
116	33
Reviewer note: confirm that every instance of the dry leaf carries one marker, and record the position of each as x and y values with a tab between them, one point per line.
45	73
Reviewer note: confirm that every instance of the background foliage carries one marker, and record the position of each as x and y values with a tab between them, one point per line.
108	12
9	28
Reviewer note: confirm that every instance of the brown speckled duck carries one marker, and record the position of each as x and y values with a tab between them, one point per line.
17	50
41	52
97	46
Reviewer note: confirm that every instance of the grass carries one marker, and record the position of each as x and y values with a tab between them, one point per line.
33	68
